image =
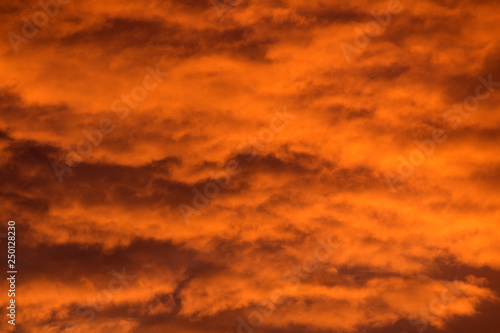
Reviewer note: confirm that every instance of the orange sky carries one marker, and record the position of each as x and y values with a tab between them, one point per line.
263	166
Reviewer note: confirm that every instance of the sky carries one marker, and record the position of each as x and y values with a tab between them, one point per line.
251	166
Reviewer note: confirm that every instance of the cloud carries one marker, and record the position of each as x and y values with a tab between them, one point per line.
323	175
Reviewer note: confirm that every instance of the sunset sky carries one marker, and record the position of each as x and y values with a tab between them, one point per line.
246	166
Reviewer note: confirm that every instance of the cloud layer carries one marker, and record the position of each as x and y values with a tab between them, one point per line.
305	145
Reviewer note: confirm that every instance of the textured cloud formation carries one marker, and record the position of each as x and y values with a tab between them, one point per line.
270	182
